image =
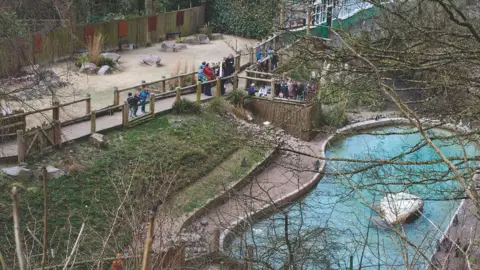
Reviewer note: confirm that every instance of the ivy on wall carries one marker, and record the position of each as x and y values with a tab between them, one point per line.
246	18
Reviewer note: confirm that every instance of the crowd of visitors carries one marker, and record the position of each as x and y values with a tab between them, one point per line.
138	99
263	57
285	88
207	73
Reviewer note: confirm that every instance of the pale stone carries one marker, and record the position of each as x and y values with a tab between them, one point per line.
99	140
54	173
88	68
400	207
104	70
114	56
203	39
152	60
18	173
191	40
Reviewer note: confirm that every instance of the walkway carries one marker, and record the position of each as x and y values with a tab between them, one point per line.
82	129
282	176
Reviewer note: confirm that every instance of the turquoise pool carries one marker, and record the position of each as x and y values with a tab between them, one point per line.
334	221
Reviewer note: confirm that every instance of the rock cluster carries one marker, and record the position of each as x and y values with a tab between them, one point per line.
194	238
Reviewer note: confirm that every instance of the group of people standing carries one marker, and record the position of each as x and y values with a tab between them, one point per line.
286	88
262	57
138	99
207	73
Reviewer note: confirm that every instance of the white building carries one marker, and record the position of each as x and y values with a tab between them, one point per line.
339	9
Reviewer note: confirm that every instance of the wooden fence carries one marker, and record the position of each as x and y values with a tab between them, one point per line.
61	43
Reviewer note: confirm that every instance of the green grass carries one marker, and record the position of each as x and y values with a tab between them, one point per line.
159	158
218	180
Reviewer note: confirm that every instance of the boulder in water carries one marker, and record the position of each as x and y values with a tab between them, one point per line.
400	207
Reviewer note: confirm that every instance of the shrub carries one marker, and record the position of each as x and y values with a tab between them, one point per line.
186	107
239	98
217	105
102	61
334	115
82	59
180	40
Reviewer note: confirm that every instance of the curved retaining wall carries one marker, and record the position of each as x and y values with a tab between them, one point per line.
227	234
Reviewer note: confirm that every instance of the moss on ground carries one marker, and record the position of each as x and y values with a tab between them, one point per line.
141	164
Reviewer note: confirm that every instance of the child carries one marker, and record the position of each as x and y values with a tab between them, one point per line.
251	90
144	95
131	105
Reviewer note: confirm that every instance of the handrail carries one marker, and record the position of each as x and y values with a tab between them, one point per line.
255	79
72	102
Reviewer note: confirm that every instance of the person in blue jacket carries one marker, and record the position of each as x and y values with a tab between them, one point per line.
144	95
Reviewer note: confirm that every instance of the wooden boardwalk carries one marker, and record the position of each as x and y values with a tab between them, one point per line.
81	129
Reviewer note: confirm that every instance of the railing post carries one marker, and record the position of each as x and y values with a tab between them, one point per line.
237	62
181	80
247	81
152	104
125	111
252	61
272	91
250	257
58	134
93	122
179	94
116	96
56	111
20	146
219	86
164	84
269	64
199	91
235	81
216	240
88	108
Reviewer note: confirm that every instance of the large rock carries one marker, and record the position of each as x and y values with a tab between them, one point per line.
192	40
152	60
104	70
18	173
54	173
400	207
99	140
88	68
113	56
203	39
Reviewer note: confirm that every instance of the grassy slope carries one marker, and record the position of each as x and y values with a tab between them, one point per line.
150	155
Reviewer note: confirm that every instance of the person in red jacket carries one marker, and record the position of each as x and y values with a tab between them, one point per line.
208	73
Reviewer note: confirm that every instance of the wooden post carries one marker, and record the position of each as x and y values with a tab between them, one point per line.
282	16
152	104
20	146
199	91
58	133
116	96
237	62
164	84
252	59
93	123
219	86
247	81
250	257
45	218
235	81
181	80
269	64
179	94
56	110
149	240
272	91
125	112
216	240
88	108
